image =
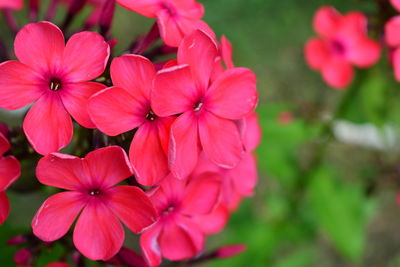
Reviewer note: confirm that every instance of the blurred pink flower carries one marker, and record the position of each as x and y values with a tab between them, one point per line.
55	77
342	43
130	101
175	18
176	235
208	109
10	170
98	232
395	4
392	36
11	4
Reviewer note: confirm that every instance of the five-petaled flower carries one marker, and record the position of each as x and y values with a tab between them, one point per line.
130	102
56	78
10	170
207	108
90	182
177	235
343	42
175	18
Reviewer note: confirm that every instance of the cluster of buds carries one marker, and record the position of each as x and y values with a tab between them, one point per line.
188	125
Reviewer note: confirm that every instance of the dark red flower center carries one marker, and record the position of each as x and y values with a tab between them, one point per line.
337	47
170	9
151	116
94	192
55	84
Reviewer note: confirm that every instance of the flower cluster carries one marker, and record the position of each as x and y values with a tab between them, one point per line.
188	123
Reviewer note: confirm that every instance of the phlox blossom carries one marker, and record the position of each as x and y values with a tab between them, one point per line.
207	108
10	170
92	193
342	43
175	18
11	4
392	29
176	235
126	106
54	77
395	4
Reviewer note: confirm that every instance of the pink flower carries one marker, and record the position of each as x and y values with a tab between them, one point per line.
98	232
175	18
55	77
392	29
207	108
10	170
11	4
343	42
130	101
176	235
395	4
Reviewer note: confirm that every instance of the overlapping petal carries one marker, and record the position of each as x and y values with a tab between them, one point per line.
131	205
220	140
4	207
10	170
115	111
317	53
338	74
326	21
148	158
149	245
184	149
233	95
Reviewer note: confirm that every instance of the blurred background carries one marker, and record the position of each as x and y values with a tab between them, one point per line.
329	168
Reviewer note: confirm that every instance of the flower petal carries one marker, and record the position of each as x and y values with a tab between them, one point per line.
183	147
63	171
47	42
48	126
4	144
221	140
75	98
85	56
10	170
170	31
178	243
199	51
131	205
149	245
233	95
201	194
317	53
326	21
98	233
19	85
226	52
338	74
56	215
4	207
148	158
244	175
365	52
135	74
214	221
108	165
115	111
147	8
174	91
252	135
392	28
14	5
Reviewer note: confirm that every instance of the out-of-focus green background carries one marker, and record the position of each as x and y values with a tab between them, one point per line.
319	201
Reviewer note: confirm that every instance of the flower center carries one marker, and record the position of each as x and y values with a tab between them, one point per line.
337	47
55	84
168	210
198	106
94	192
151	116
